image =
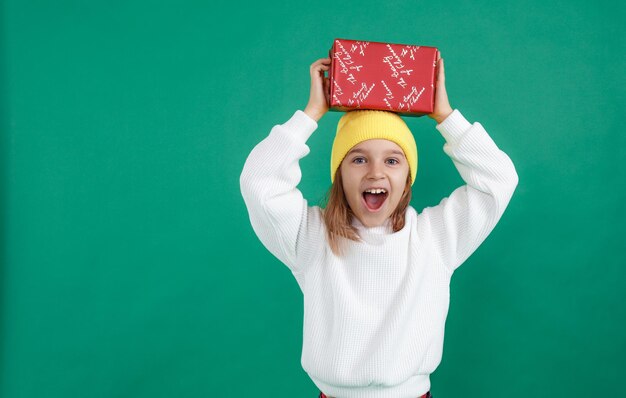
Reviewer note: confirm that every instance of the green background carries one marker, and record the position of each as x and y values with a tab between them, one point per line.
129	267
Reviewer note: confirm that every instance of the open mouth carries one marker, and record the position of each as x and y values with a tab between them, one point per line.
374	201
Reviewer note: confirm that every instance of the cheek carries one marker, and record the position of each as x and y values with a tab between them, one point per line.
396	196
348	191
349	183
400	186
354	194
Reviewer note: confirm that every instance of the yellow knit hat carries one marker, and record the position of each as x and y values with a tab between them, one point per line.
361	125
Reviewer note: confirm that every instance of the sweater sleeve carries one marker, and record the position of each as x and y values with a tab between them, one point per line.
463	220
277	209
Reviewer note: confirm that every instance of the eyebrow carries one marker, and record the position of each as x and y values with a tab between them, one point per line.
393	151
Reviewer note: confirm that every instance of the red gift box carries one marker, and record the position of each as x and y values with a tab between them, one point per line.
373	75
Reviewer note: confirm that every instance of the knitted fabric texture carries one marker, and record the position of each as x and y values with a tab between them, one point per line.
361	125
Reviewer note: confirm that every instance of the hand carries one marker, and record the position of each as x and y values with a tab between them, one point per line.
442	106
320	90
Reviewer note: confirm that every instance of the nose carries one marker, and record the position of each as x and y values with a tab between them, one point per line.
375	171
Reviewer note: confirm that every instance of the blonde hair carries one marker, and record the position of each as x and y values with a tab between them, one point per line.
337	214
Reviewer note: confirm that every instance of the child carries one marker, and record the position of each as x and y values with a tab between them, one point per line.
374	273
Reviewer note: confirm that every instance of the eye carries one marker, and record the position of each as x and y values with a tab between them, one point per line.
357	158
395	160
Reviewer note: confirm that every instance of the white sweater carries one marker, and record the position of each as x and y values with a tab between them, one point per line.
374	319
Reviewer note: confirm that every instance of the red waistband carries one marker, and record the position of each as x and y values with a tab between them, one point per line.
427	395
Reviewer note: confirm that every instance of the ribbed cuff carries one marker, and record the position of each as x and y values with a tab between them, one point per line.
300	126
453	127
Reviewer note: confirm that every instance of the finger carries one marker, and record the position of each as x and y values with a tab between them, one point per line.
322	69
442	73
319	70
318	65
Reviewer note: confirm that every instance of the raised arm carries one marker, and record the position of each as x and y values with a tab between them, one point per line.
462	221
268	185
278	212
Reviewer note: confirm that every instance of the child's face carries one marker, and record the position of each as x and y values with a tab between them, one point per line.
374	164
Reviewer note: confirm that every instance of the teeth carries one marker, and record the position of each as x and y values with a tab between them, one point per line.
380	190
